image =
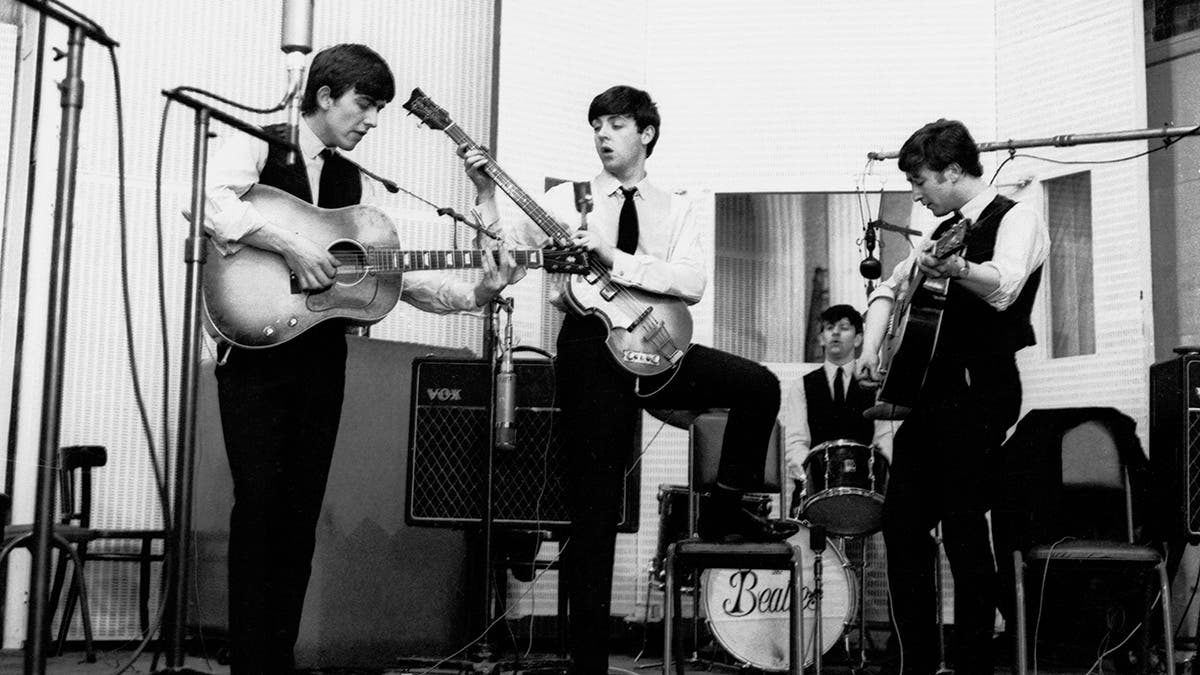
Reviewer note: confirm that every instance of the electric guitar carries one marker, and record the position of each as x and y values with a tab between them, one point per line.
252	299
915	324
648	333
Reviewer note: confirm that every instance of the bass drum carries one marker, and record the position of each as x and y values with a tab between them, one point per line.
748	610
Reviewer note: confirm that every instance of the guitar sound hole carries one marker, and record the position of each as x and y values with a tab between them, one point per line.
352	259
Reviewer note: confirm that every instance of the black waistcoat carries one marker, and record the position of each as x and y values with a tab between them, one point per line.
827	422
343	185
973	328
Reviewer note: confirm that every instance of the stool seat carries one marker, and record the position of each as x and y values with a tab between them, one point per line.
680	419
708	554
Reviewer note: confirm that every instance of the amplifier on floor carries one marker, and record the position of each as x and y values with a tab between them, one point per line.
447	450
1175	442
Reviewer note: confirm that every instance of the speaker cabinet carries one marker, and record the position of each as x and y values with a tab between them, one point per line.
448	443
1175	442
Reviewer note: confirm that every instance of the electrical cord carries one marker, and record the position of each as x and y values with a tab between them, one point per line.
1037	624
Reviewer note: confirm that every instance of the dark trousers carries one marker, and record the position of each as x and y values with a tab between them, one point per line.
280	409
601	410
944	456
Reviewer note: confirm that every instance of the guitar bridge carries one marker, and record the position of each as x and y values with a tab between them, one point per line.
646	358
640	318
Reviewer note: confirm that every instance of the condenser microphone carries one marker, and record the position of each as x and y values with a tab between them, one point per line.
583	196
506	403
295	39
870	267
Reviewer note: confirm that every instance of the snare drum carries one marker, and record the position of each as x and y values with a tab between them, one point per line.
749	610
673	519
844	488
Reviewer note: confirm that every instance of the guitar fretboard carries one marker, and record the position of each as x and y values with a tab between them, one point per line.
383	260
536	213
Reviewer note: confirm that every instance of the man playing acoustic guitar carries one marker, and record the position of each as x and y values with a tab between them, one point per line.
280	407
943	452
645	239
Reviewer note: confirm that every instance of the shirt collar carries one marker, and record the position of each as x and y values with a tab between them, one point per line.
974	208
831	369
608	185
310	145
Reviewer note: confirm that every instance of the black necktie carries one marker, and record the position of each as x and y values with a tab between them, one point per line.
627	227
839	388
334	173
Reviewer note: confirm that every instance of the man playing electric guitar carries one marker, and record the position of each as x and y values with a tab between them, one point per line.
646	238
942	454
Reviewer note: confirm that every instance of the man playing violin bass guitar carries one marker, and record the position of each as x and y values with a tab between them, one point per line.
943	453
646	238
281	406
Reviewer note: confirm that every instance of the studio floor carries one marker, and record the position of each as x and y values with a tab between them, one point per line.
109	662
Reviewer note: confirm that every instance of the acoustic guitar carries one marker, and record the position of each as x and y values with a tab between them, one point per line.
252	299
915	323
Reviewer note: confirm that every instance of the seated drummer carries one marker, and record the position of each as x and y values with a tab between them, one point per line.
827	404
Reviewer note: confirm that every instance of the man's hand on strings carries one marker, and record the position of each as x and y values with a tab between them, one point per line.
497	275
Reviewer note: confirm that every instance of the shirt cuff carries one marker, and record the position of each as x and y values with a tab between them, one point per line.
487	213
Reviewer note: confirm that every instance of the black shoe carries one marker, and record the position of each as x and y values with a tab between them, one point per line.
726	521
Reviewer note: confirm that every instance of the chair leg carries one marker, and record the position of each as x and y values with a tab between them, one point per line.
144	585
64	622
60	575
669	598
796	617
1021	664
1164	584
84	613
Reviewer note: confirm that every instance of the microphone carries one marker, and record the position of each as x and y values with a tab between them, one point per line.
506	390
870	267
295	39
506	403
583	201
583	196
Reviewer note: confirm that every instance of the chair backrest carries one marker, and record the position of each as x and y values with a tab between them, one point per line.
75	464
1091	462
705	436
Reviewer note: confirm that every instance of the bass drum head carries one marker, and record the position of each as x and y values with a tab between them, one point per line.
748	610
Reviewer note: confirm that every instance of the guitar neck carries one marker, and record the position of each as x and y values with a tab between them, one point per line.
536	213
396	261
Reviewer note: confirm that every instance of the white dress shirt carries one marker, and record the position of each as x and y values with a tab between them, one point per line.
669	258
236	167
793	417
1022	243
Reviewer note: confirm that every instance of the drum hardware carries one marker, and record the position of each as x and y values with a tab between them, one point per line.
817	543
860	570
937	585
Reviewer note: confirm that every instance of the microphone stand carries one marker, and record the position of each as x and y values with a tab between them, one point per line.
71	101
484	651
175	619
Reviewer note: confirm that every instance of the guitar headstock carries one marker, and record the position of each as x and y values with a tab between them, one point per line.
952	240
427	111
565	260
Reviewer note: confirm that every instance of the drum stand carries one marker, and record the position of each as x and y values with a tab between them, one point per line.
861	622
816	541
937	586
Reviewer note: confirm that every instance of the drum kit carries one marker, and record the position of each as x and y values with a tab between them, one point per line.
747	610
